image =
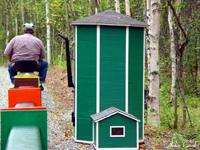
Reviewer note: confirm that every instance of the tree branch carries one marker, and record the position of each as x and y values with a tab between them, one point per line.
177	18
182	47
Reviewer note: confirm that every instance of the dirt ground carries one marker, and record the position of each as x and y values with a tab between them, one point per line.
59	112
56	84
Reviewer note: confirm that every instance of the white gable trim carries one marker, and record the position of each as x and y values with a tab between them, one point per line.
117	113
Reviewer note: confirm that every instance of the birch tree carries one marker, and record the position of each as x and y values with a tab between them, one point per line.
97	3
117	6
154	33
127	7
91	10
173	65
48	35
93	7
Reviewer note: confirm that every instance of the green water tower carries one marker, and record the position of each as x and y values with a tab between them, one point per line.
109	73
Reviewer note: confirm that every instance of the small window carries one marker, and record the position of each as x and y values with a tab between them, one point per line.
117	131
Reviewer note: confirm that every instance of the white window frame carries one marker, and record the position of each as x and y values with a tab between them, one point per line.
111	127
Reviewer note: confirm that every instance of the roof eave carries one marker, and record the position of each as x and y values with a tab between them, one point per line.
101	24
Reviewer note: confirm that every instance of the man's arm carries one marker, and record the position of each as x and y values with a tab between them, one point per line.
9	49
9	57
42	53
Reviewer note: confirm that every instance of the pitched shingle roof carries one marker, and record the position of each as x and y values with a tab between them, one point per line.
110	112
110	18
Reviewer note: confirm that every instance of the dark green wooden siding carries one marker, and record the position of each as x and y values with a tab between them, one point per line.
130	139
112	67
136	75
86	80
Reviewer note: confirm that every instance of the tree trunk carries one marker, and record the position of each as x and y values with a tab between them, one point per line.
127	6
154	33
22	11
198	56
147	50
97	3
7	29
91	10
194	71
181	88
117	6
61	51
173	66
48	33
16	26
53	53
182	43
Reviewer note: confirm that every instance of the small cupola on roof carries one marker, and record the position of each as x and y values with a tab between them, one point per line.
110	18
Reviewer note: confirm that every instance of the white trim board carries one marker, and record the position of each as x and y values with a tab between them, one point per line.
141	141
97	134
93	124
137	134
143	81
98	72
82	141
127	69
75	110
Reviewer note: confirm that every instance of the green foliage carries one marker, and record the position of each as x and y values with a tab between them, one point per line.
137	9
106	5
178	141
180	136
58	61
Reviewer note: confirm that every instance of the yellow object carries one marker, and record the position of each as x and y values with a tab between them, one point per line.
33	75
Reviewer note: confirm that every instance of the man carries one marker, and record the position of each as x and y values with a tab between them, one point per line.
26	47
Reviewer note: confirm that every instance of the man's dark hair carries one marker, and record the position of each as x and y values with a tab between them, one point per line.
30	31
28	28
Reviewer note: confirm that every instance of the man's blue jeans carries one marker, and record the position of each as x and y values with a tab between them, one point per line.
43	67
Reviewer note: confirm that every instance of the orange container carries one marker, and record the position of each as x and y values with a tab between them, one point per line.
25	94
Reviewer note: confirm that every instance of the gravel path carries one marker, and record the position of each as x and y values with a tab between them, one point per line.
59	120
4	86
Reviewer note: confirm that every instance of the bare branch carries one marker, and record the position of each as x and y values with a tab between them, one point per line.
179	25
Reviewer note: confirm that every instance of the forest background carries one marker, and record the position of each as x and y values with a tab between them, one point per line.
172	39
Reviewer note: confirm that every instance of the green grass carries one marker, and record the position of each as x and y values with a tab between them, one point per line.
179	136
62	64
